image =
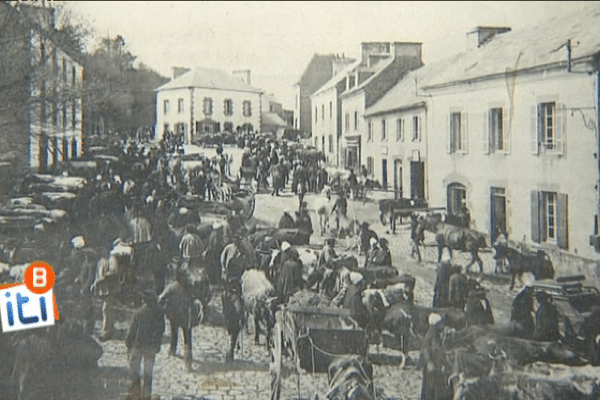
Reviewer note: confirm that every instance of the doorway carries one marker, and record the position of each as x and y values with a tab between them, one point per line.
397	179
417	180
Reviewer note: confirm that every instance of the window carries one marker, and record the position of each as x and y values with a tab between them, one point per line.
74	77
494	139
207	106
74	114
347	122
399	129
180	128
316	115
331	143
548	128
180	105
228	107
330	110
64	71
457	141
323	112
457	198
370	131
383	130
166	106
416	136
228	127
355	120
247	105
370	166
65	112
549	218
73	148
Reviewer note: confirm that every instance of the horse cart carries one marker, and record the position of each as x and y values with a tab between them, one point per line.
313	335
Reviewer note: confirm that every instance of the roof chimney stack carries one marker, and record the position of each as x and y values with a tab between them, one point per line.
178	71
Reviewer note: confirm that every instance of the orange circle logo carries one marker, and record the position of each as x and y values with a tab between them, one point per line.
39	277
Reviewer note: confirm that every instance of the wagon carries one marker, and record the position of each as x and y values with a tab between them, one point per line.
313	336
242	203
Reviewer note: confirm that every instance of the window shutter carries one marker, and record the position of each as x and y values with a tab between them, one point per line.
486	130
535	136
465	132
420	127
448	134
561	122
535	216
563	221
506	131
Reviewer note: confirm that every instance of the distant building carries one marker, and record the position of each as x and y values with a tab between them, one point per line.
272	116
319	70
207	101
40	87
339	105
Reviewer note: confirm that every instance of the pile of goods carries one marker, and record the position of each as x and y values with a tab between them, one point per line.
306	298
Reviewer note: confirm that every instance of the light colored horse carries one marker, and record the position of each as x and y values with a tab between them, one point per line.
322	206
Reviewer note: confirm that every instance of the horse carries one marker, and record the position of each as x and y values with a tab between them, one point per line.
323	206
539	264
235	318
403	209
463	239
182	311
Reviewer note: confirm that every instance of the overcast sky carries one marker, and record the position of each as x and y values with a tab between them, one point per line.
277	39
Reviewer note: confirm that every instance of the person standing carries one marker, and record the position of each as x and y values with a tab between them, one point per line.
417	235
191	247
143	342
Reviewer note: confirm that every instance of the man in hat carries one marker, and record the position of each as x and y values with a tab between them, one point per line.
478	309
340	208
304	223
143	342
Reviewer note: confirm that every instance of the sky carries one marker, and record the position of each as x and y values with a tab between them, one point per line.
276	40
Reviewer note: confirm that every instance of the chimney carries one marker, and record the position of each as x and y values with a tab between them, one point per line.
483	34
178	71
371	52
406	49
244	75
339	64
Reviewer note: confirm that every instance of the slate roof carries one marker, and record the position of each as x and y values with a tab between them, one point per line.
209	79
338	77
527	48
532	47
272	119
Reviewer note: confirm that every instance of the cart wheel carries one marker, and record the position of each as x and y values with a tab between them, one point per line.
275	360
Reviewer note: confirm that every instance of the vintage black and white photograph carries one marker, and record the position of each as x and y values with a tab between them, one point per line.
299	200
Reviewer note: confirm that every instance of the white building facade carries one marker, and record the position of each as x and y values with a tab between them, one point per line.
204	101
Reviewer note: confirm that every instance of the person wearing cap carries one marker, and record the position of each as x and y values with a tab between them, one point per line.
434	362
304	224
340	208
381	256
143	342
546	319
478	309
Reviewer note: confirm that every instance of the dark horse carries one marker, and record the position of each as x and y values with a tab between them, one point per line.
463	239
391	209
235	316
539	264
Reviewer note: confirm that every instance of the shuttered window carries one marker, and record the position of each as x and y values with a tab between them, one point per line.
549	218
457	133
416	136
399	129
548	128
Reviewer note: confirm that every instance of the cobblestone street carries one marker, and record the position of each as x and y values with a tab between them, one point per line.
248	376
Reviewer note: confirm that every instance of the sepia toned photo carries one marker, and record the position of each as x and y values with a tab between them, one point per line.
299	200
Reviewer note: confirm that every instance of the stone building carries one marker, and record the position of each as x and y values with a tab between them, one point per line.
41	86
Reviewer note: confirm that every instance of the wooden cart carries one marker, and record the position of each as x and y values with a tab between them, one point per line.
313	337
